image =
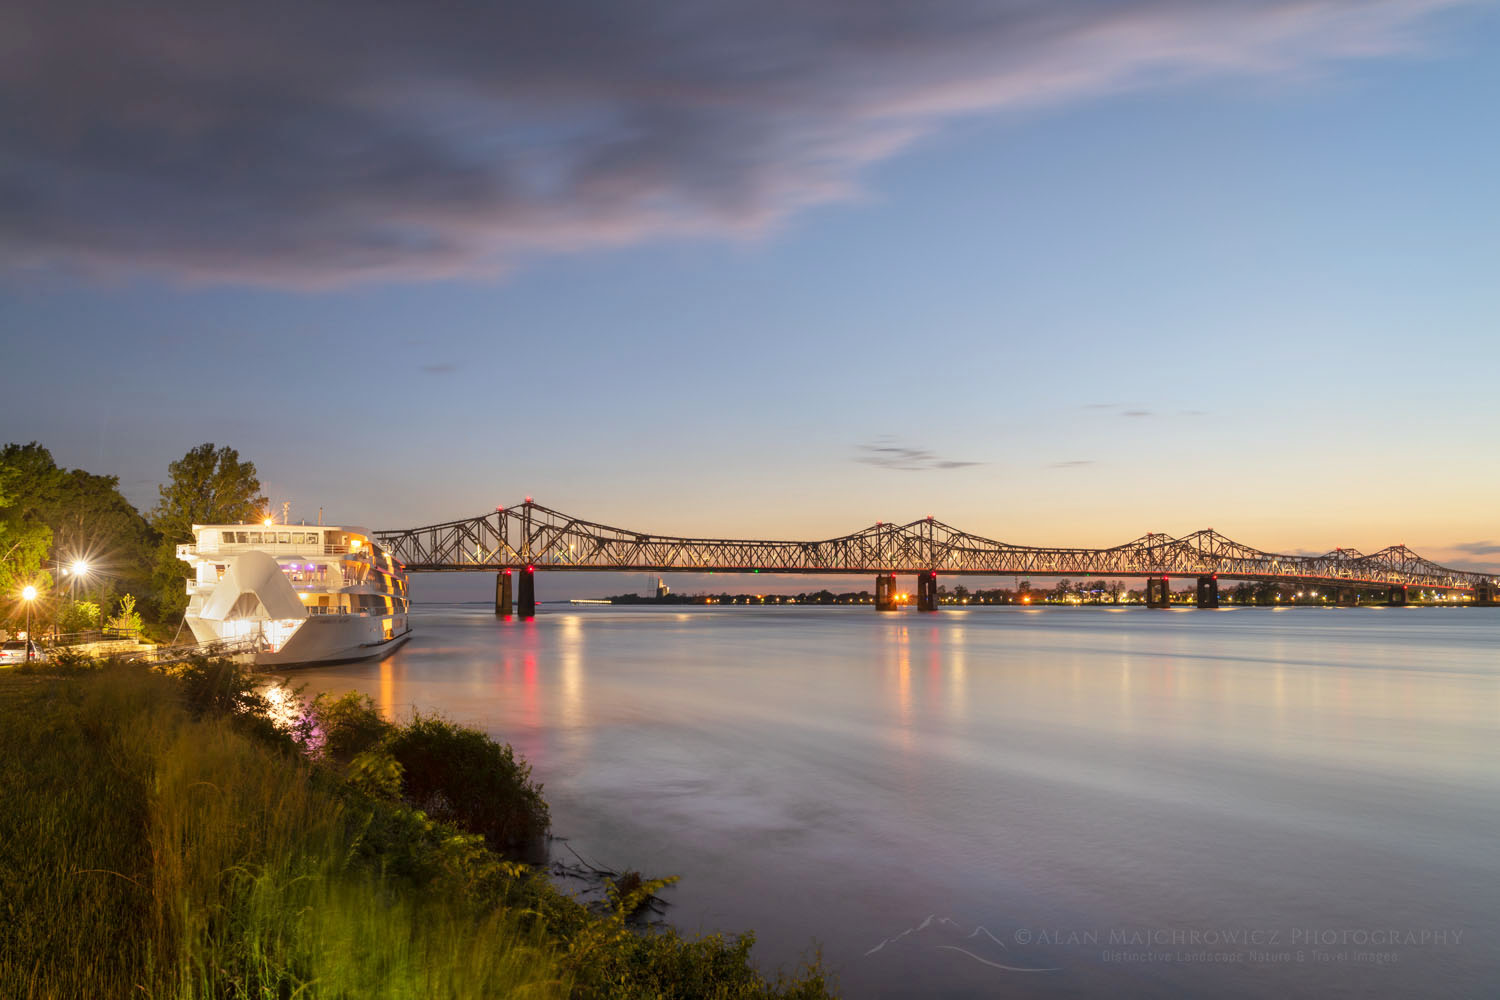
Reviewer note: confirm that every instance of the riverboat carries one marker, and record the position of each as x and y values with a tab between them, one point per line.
298	594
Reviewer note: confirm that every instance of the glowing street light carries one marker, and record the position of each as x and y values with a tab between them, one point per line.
76	570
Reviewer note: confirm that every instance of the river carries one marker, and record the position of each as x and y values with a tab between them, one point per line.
1055	802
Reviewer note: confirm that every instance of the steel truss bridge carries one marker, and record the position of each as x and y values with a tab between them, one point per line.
531	536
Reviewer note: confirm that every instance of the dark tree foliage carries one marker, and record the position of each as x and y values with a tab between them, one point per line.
460	775
24	538
350	725
208	485
89	520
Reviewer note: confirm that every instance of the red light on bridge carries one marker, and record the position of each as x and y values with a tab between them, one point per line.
499	510
507	572
531	569
528	499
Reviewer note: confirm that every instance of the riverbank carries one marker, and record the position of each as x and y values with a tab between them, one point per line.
183	836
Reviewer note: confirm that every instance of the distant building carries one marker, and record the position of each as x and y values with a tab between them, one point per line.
662	590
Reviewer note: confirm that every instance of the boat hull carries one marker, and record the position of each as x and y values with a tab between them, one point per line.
336	639
322	639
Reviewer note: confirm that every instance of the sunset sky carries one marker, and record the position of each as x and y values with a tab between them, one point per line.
1056	273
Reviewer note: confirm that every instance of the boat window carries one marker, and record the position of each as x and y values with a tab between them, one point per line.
283	537
254	538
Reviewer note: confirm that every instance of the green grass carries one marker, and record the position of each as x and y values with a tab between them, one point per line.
158	838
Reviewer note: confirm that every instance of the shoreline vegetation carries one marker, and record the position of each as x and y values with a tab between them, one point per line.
177	832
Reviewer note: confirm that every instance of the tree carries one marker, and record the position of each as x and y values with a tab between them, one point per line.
88	516
128	620
24	536
208	485
78	616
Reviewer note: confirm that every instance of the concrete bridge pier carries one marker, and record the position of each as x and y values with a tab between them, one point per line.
1484	594
1398	596
502	594
1208	591
1158	592
1346	598
885	592
526	593
927	591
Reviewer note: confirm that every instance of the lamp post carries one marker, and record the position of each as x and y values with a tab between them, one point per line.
28	594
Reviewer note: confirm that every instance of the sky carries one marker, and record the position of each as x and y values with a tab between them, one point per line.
1055	273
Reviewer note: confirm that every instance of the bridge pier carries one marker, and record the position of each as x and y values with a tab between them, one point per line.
1158	592
1208	591
1398	596
885	592
502	593
927	590
1345	598
526	593
1484	594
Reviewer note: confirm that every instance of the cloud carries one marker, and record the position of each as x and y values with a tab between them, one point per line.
1135	413
1074	464
440	369
1477	548
888	455
306	144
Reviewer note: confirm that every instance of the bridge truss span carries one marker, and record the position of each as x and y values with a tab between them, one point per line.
536	536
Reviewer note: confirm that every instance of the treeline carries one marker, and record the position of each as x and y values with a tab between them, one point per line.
1093	592
53	519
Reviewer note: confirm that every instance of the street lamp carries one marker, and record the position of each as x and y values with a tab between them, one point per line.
76	569
28	594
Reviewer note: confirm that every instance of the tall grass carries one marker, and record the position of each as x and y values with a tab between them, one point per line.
147	853
161	837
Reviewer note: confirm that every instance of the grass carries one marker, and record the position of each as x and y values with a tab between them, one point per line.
159	838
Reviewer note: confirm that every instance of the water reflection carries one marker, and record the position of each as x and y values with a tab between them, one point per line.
1046	767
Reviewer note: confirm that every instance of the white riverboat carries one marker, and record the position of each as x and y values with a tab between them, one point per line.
305	593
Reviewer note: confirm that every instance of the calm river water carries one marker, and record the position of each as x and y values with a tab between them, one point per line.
1006	802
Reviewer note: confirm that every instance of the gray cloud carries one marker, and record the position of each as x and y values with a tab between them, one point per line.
440	369
1074	464
1135	413
888	455
300	144
1477	548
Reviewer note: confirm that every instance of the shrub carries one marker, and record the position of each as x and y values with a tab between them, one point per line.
78	616
350	724
460	775
217	687
128	620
